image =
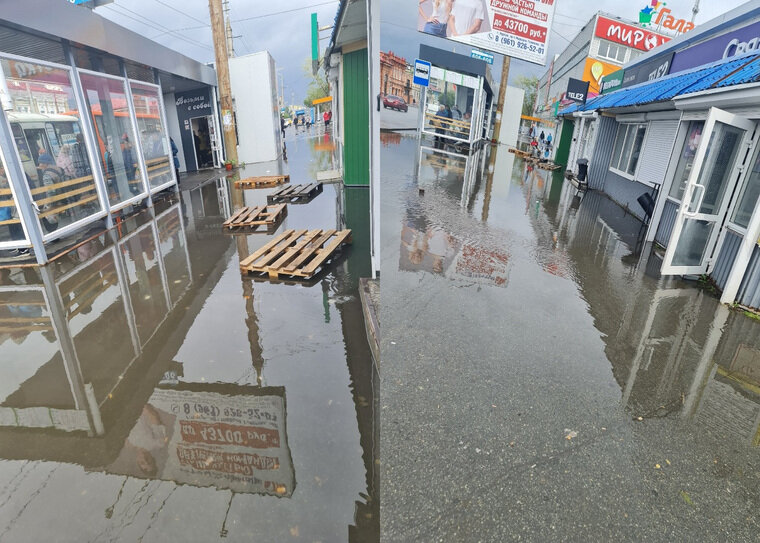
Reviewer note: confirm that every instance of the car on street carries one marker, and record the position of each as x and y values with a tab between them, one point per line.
395	102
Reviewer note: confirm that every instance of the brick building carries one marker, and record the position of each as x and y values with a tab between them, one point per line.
396	78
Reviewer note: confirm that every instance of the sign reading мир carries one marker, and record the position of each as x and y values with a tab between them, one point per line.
516	28
629	35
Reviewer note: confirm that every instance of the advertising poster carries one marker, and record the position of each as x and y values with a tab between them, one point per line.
594	71
517	28
207	438
628	35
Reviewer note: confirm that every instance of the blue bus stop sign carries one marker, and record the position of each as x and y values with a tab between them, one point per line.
421	72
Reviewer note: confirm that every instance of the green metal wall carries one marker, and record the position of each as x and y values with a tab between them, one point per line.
563	148
356	118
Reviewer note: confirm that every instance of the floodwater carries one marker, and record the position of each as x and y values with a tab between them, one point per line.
150	392
540	380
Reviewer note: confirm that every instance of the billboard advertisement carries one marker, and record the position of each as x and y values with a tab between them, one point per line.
517	28
734	42
628	35
235	441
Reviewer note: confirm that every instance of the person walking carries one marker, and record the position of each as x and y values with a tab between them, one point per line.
175	159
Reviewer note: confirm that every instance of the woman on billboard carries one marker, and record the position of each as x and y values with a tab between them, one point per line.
436	23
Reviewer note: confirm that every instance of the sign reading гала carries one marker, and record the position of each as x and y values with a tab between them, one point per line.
516	28
732	43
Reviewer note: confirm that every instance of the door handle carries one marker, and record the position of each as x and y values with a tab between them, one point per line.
689	213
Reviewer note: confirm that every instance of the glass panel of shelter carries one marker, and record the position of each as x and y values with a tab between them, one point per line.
46	125
11	230
106	98
153	138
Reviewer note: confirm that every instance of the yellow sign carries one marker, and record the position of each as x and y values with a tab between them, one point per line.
594	71
322	100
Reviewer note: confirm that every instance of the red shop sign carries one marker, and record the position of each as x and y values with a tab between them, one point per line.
629	35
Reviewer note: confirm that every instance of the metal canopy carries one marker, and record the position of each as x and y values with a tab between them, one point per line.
722	74
63	20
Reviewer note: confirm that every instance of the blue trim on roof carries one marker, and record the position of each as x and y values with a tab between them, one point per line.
341	8
723	73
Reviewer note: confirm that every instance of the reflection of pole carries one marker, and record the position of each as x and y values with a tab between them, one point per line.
500	101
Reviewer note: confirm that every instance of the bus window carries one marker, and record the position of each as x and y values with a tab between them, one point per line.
37	141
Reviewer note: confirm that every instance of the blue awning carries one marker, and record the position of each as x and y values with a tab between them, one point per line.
723	73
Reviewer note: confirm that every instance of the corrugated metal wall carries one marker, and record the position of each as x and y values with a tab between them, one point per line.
749	291
599	167
655	156
356	118
668	219
726	257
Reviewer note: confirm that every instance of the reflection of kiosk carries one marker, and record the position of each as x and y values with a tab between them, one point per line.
463	85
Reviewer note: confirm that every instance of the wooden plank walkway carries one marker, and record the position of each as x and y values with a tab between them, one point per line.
294	193
297	253
253	217
262	182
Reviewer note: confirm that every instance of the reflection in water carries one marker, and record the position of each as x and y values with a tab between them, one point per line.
143	387
583	335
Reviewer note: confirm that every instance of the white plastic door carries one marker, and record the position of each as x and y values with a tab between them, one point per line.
717	166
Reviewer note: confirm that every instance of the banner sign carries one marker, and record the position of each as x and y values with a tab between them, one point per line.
648	71
232	442
628	35
611	82
577	90
516	28
732	43
594	71
480	55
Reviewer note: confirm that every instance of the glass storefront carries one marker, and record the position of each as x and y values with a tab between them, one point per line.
107	103
153	137
46	125
77	146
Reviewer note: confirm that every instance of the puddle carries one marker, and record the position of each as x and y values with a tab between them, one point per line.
531	313
149	391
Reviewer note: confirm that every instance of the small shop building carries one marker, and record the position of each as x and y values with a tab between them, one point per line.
682	152
88	109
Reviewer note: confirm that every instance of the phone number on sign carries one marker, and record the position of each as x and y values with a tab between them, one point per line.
251	413
517	43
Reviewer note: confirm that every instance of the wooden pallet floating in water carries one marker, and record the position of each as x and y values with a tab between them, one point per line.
297	253
295	193
253	217
262	182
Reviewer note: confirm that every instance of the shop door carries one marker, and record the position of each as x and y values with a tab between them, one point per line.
216	146
717	167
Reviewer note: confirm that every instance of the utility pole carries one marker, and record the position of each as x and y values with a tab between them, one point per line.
223	77
228	29
500	101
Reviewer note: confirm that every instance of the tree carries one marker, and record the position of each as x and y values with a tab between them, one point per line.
318	85
530	85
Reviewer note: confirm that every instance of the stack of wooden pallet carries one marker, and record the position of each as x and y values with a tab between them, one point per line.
253	217
262	182
296	253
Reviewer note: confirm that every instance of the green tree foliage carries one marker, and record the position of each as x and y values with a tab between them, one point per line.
318	85
448	98
530	86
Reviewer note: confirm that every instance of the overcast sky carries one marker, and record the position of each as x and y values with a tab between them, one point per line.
286	34
399	26
283	28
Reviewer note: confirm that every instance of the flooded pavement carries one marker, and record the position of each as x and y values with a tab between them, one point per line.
540	380
150	392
